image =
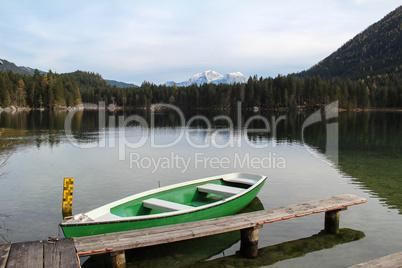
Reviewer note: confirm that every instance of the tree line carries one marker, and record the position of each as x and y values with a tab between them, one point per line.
49	90
287	92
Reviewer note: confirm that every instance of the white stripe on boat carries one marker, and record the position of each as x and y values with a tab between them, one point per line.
163	205
219	189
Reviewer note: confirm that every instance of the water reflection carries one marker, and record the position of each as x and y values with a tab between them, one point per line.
287	250
369	143
196	252
371	152
7	149
4	230
49	127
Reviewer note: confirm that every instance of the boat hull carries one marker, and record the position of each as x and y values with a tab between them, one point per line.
219	209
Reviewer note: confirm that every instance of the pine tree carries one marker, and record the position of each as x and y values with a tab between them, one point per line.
21	94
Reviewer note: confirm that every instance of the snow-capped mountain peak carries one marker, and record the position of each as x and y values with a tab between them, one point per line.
211	77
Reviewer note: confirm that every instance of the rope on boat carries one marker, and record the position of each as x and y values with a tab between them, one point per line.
94	251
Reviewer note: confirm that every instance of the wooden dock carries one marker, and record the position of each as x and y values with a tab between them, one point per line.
38	254
390	261
63	253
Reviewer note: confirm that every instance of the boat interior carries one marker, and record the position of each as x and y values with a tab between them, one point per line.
183	198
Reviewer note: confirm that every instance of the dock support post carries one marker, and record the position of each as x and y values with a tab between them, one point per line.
249	242
332	221
118	259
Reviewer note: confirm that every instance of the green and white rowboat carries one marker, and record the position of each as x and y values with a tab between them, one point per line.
184	202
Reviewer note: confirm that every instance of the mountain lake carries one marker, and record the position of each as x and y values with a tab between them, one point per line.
112	155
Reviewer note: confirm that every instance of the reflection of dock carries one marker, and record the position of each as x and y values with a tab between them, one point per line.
287	250
64	253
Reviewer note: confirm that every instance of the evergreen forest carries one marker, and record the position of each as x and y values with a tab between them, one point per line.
53	90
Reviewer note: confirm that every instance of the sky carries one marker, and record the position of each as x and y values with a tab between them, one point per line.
160	41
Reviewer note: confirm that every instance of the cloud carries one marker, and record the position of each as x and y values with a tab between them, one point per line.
158	41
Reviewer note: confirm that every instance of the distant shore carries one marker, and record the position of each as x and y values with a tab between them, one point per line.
13	109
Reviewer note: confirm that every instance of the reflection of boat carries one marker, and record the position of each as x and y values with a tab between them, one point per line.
184	202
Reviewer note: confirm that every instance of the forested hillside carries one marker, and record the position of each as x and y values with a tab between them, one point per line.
375	51
39	90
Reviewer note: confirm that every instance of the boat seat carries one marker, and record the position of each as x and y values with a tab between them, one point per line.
163	205
241	181
219	189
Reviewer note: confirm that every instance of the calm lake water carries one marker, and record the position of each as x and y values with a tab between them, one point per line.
110	160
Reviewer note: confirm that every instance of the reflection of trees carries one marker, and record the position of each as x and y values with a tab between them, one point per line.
371	131
5	154
3	229
35	127
370	148
356	130
370	151
369	143
6	151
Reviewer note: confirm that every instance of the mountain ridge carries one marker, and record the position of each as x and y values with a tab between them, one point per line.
199	79
210	76
375	51
119	84
10	66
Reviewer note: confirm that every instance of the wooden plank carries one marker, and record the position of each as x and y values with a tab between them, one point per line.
163	205
4	252
27	254
390	261
60	253
127	242
219	189
178	232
